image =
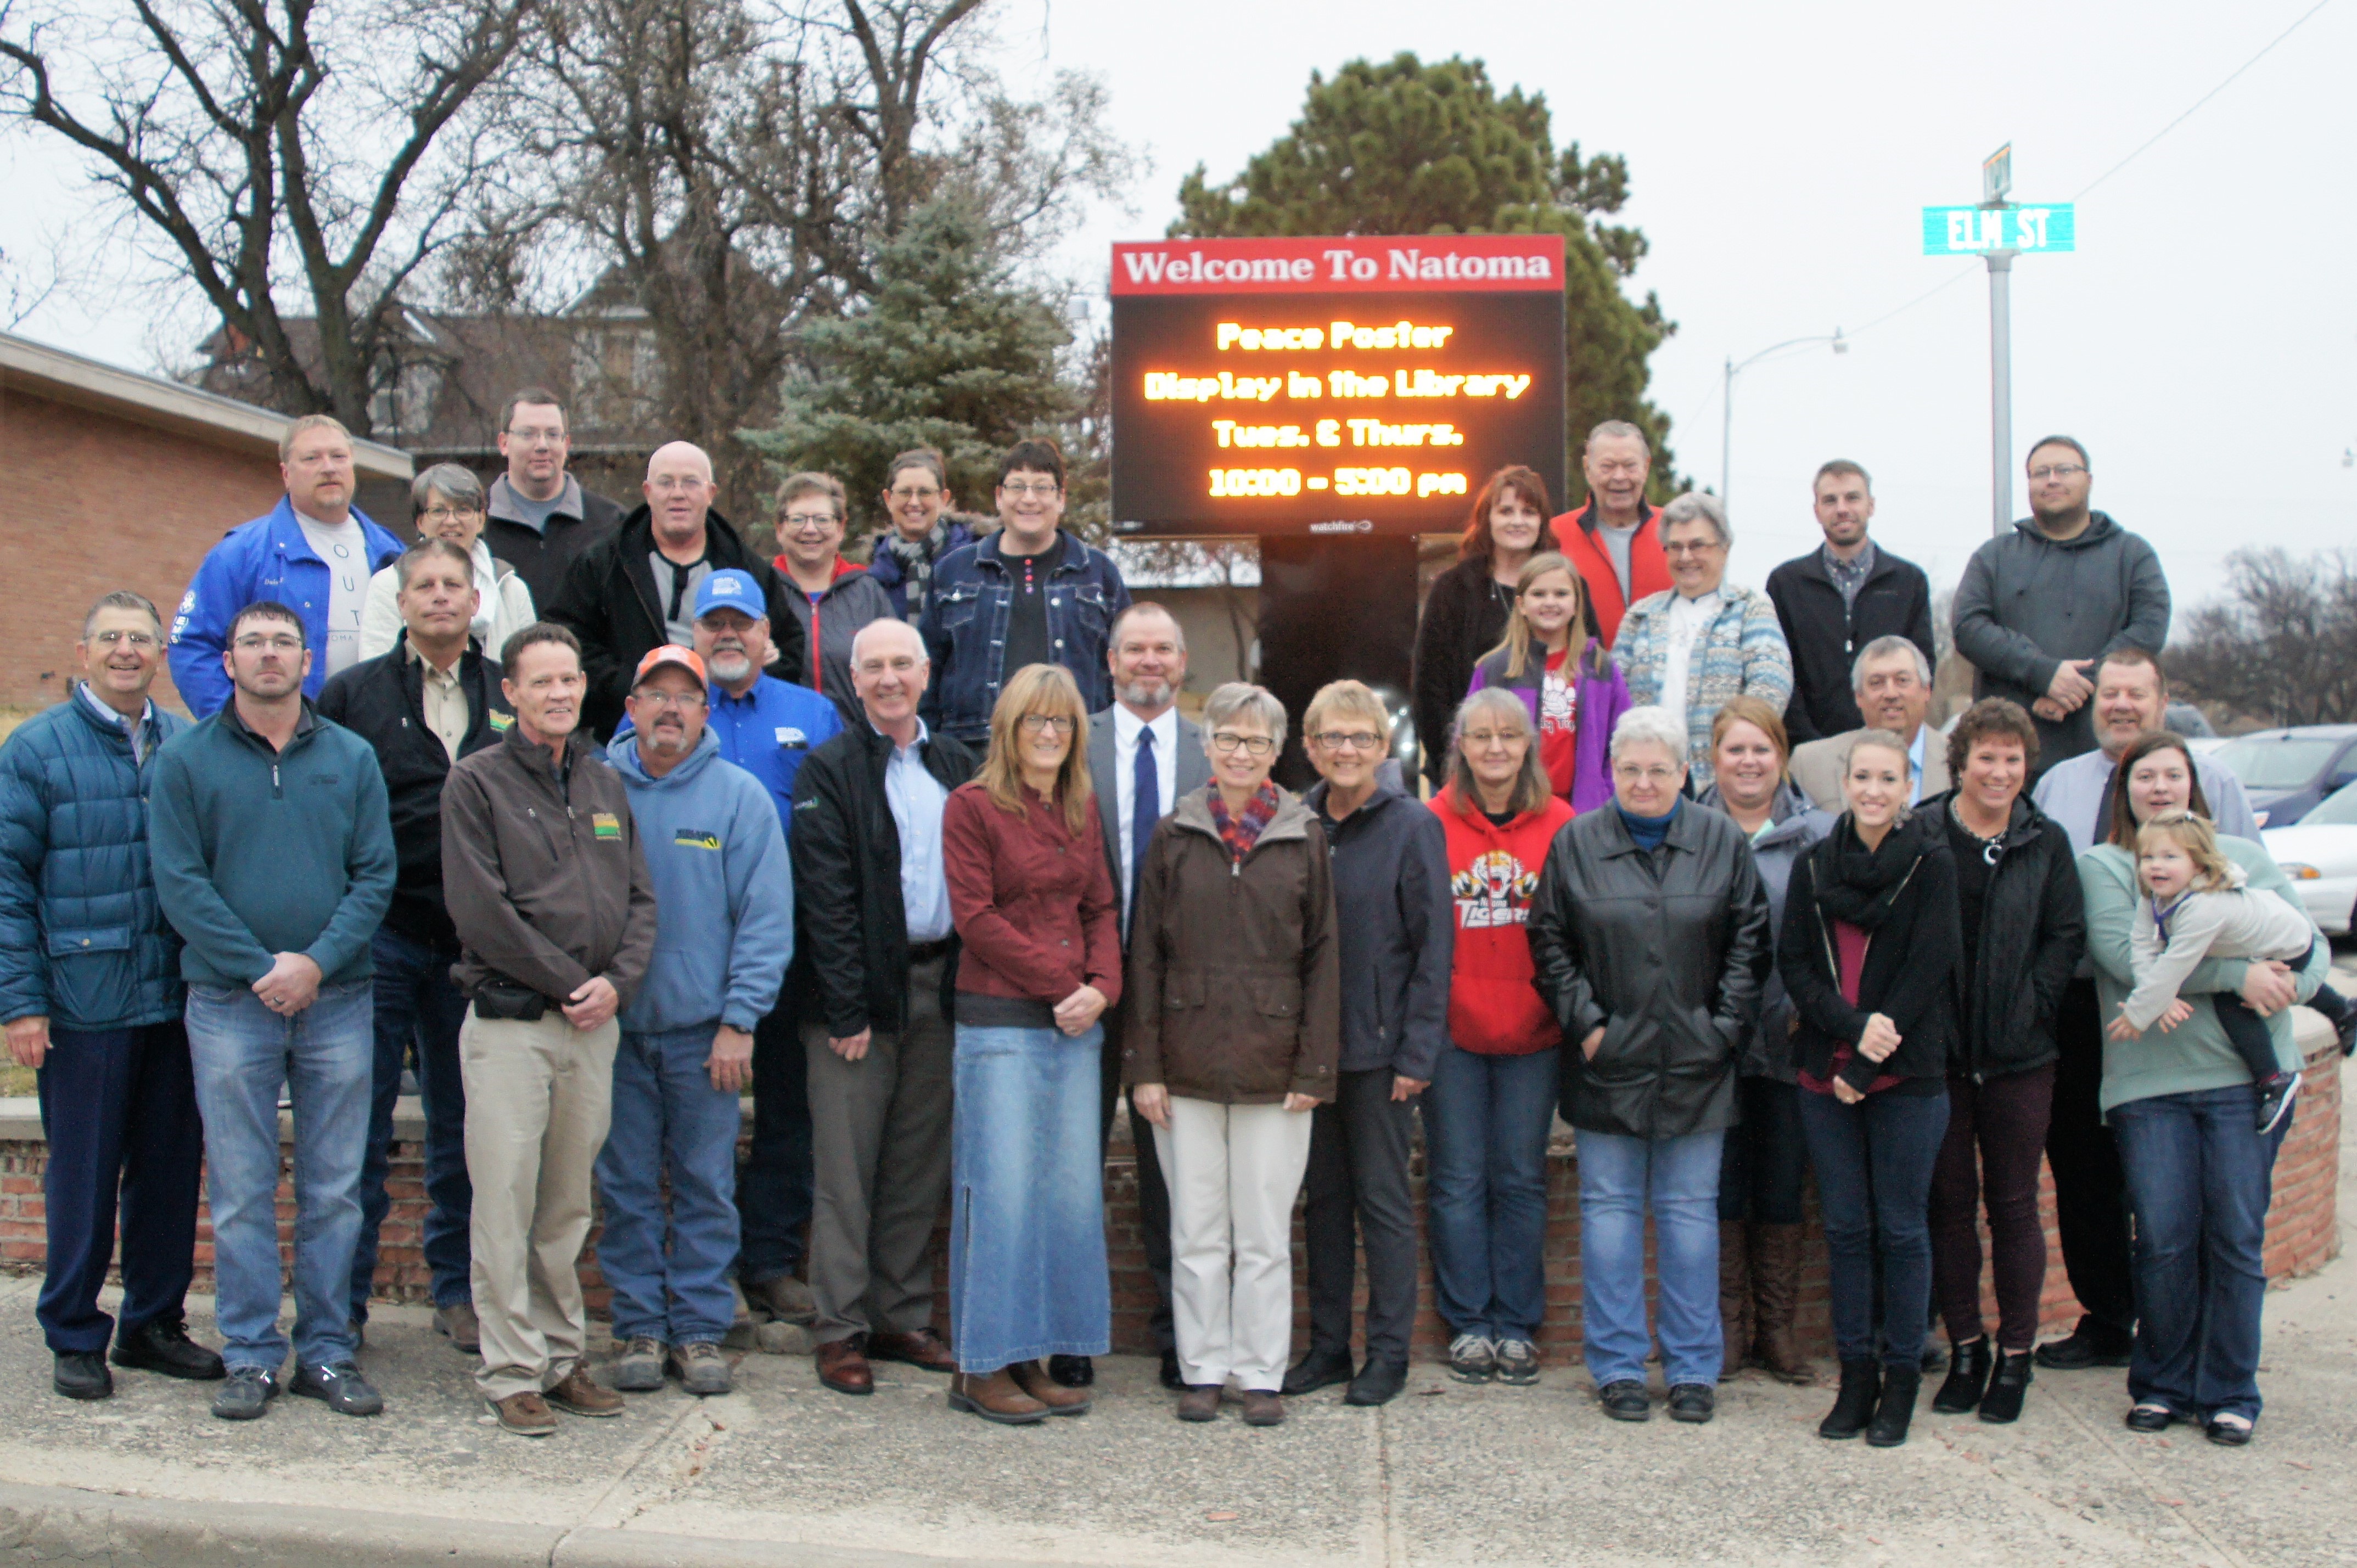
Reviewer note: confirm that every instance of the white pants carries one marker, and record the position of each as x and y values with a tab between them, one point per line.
1234	1172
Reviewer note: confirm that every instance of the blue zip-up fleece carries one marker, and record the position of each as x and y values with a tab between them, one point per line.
717	858
83	940
259	852
268	558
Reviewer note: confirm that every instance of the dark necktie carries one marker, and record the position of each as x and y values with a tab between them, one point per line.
1145	803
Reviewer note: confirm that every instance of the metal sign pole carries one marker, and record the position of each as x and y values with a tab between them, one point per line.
2000	276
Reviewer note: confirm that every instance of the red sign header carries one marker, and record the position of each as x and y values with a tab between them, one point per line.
1343	264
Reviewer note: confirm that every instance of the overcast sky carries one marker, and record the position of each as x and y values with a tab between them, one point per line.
2202	340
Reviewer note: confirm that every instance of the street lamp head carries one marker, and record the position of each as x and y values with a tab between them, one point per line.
1841	344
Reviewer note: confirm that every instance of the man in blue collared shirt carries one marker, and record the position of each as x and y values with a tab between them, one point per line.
768	727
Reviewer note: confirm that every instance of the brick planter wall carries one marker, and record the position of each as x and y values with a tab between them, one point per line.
2303	1232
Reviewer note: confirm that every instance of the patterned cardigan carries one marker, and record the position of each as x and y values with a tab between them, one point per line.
1741	652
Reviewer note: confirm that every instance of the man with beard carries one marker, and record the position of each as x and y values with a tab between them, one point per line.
767	728
1144	755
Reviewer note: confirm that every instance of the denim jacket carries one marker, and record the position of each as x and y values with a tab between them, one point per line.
964	630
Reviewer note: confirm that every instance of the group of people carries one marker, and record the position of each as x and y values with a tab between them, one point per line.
601	820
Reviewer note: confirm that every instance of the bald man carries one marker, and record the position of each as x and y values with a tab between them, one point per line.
636	588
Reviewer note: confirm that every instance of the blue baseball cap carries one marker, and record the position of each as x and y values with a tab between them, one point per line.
731	590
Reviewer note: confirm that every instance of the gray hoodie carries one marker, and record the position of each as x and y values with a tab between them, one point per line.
2028	602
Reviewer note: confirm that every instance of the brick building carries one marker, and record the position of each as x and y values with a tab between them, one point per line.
120	480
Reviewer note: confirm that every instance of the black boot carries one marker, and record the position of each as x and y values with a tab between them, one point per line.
2003	1403
1899	1387
1861	1382
1968	1372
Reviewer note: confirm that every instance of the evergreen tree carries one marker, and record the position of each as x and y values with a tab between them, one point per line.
951	351
1402	147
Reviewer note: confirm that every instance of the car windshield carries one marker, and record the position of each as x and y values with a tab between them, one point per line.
2339	811
2276	764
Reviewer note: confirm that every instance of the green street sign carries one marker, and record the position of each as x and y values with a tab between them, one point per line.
1977	230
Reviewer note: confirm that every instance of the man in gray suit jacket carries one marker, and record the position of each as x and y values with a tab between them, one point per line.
1143	756
1893	684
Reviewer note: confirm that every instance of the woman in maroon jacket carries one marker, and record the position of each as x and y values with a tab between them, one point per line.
1033	899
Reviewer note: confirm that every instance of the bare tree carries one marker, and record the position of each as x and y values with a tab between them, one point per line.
270	147
2281	645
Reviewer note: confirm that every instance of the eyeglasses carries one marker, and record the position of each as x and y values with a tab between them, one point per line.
1653	774
448	513
1250	745
808	520
1017	491
537	437
1692	547
1355	740
258	643
930	492
2058	470
1047	723
137	641
681	701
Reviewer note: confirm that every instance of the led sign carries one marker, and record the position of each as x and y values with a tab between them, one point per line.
1332	385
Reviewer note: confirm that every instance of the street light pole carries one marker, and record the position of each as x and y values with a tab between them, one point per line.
1727	401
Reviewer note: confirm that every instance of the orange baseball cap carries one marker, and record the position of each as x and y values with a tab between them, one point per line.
664	653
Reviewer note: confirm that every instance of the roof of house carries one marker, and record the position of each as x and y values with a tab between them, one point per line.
39	370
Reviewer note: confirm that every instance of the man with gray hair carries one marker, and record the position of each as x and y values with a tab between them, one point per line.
635	590
1838	598
1891	682
1615	540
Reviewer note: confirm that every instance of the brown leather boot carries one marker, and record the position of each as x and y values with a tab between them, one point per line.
1734	1296
995	1397
1776	1284
1061	1400
583	1395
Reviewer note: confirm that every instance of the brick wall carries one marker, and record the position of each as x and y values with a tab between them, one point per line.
2303	1233
94	503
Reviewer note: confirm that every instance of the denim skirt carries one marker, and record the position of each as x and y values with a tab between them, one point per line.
1027	1199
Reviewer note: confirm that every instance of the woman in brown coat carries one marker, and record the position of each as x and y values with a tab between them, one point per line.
1231	1038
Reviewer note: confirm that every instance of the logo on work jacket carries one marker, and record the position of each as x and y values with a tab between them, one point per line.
1495	890
500	722
695	838
604	824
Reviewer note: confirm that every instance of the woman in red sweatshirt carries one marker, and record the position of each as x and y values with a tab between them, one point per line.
1493	1088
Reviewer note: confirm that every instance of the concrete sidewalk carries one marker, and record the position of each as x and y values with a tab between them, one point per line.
784	1472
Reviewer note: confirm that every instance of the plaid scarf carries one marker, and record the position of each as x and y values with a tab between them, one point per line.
1239	834
916	558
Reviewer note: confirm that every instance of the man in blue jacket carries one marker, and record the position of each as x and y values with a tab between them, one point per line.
718	859
273	860
1030	593
89	991
767	726
315	552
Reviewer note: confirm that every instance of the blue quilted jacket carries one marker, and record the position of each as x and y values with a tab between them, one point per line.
83	940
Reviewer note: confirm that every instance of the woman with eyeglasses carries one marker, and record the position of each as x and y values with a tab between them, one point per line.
831	599
1703	639
922	529
1230	1040
1391	871
1032	897
449	502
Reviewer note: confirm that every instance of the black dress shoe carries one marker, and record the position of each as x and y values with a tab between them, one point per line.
1317	1369
1625	1400
2228	1431
164	1345
2150	1418
1378	1382
2091	1344
1072	1371
82	1375
1171	1377
1693	1402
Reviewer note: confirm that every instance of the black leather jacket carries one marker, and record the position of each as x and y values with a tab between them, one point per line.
1668	952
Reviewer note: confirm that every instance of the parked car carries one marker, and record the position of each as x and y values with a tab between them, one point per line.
2188	721
2286	772
2320	855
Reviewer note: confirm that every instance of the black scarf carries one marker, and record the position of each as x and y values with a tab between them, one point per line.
1862	885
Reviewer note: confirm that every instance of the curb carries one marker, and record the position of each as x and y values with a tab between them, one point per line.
63	1524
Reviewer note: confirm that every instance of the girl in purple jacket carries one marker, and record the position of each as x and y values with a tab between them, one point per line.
1564	675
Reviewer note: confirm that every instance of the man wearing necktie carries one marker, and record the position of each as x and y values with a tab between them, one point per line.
1145	756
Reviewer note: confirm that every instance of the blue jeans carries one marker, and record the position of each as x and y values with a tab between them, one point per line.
1874	1162
2199	1182
773	1191
1619	1177
120	1111
669	1120
416	1001
1485	1131
1027	1199
241	1052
